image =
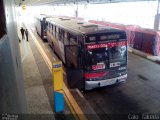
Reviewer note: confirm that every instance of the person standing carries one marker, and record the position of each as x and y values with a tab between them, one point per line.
26	32
22	32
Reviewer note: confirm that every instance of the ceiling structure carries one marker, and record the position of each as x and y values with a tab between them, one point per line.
44	2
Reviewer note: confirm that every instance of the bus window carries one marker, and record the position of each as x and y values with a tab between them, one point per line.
92	38
103	37
57	32
66	40
118	54
65	34
52	29
46	24
98	56
49	27
73	40
57	29
60	35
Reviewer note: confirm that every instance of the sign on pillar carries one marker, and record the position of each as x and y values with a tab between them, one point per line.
24	7
57	73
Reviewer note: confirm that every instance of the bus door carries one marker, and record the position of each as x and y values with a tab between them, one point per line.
74	72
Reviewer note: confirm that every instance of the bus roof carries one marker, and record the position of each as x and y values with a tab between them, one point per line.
81	27
42	16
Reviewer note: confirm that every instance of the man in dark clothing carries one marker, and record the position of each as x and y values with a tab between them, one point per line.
26	32
22	32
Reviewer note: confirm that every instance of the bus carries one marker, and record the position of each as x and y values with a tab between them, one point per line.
94	55
40	25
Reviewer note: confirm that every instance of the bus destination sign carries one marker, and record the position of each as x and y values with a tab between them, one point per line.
106	45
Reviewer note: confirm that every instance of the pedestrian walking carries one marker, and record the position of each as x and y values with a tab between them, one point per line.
26	32
22	32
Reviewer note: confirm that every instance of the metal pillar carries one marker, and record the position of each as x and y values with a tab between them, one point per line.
157	17
76	12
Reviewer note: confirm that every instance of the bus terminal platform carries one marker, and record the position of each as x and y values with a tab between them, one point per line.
38	83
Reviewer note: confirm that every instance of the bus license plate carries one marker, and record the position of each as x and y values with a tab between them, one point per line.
116	64
97	67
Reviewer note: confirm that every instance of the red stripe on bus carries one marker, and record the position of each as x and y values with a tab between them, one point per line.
94	75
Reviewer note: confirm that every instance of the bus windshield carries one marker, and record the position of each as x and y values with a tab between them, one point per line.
97	56
106	57
97	59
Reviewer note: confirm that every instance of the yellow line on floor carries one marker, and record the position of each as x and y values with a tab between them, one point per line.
69	96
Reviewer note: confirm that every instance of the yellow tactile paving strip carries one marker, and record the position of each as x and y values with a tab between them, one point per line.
76	110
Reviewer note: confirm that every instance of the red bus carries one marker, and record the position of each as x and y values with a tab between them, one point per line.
94	55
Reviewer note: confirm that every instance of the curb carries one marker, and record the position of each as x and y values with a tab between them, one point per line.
150	57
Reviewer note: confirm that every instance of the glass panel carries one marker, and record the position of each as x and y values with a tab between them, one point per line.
65	34
73	40
118	56
97	55
97	59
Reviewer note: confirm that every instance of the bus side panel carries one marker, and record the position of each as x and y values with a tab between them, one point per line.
53	42
57	46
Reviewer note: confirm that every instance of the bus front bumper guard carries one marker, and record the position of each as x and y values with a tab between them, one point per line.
95	84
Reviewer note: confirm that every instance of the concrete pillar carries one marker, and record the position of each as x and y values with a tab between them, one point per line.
12	95
76	12
157	18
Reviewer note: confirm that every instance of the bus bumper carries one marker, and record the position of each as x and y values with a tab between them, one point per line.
101	83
